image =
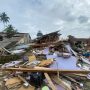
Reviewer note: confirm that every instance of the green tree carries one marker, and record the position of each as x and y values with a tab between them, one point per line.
10	31
4	18
39	34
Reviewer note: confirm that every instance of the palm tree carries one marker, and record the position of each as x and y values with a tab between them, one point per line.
10	31
4	18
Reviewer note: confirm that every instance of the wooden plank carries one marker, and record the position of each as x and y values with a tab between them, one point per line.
62	83
71	79
43	44
50	82
24	80
12	82
81	75
42	69
30	87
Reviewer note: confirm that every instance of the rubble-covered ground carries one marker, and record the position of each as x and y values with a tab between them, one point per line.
58	62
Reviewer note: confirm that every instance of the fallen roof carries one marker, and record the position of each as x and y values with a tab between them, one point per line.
50	35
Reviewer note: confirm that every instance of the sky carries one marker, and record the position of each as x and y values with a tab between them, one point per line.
71	17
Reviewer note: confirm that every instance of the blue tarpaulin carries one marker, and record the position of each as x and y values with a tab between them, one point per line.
62	63
86	54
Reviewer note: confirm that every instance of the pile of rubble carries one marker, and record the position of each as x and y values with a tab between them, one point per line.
48	66
36	72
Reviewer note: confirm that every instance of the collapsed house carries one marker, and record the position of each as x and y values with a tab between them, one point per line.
48	38
17	39
83	41
60	46
53	67
44	74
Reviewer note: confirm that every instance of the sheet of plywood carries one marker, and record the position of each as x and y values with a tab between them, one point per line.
13	81
13	85
46	62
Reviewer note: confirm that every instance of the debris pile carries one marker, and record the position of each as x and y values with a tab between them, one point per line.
50	65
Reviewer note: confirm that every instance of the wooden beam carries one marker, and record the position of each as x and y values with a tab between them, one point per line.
24	80
52	86
43	44
61	82
42	69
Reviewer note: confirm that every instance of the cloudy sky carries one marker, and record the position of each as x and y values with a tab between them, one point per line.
69	16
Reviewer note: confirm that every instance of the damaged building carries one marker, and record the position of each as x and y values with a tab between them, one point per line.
84	41
54	66
48	38
19	38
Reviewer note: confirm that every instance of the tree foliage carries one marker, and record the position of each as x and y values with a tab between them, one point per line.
4	18
10	31
39	34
